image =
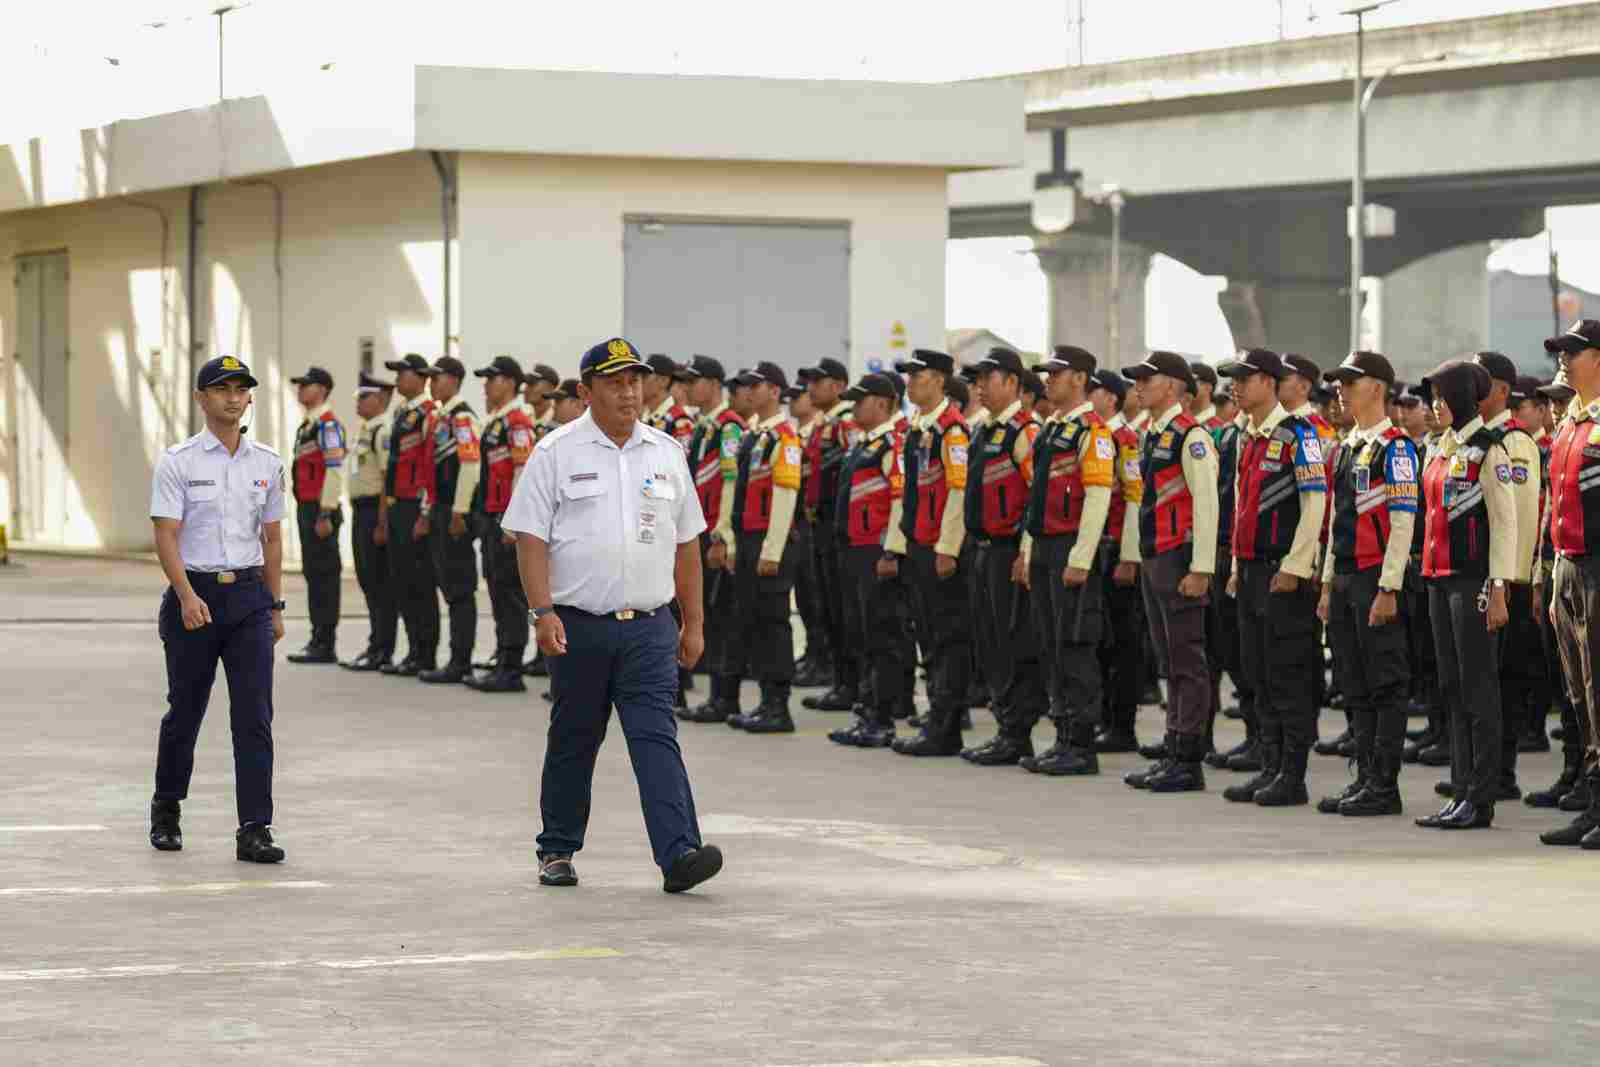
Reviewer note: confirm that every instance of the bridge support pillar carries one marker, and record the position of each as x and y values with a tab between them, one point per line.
1309	317
1078	267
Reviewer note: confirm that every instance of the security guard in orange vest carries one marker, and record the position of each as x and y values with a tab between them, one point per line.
752	539
925	536
319	451
506	444
1178	546
454	452
1001	478
1074	479
404	532
1280	498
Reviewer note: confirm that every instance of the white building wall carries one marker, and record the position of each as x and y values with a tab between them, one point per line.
361	254
541	244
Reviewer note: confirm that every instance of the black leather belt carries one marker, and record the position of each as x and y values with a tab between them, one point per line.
238	577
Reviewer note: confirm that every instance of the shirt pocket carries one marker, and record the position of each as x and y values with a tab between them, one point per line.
202	507
581	512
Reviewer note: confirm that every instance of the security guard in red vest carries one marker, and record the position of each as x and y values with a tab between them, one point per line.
753	539
725	405
402	522
1122	647
1074	478
454	451
868	486
505	446
925	536
1281	493
319	451
1574	524
1000	479
1469	557
832	435
1363	579
1178	545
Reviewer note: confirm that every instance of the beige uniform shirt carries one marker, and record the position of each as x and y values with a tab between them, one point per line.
371	457
1523	452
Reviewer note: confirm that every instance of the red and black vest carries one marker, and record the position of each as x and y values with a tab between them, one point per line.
865	493
1127	441
825	450
1547	549
1575	488
752	489
318	445
444	451
1055	505
410	462
675	422
1361	500
504	440
1268	504
926	490
1166	512
1457	540
1225	435
997	493
705	460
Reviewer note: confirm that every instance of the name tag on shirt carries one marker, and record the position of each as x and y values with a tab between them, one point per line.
1361	479
647	526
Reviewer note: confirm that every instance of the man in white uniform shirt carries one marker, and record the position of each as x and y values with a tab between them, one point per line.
217	503
608	526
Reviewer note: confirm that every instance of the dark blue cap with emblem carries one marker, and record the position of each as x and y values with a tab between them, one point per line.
612	357
222	369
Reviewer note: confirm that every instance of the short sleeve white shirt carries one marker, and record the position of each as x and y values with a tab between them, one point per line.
222	501
613	517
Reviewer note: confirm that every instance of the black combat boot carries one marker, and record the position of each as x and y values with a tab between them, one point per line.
772	714
1062	742
1380	795
165	834
1579	829
406	668
253	844
1571	769
1076	758
1289	788
940	734
839	698
1161	750
452	672
1141	779
319	649
1271	762
1184	773
815	670
1363	727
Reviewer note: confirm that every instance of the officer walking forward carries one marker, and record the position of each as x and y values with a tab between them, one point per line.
608	527
318	482
366	500
217	504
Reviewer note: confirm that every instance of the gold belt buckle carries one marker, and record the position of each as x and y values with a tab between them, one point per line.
226	577
626	615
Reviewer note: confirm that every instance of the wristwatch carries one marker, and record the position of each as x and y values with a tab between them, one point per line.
535	614
279	605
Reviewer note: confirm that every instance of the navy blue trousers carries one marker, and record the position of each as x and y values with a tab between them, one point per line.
633	667
239	636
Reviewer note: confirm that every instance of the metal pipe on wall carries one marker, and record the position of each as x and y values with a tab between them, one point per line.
169	406
444	164
192	305
280	418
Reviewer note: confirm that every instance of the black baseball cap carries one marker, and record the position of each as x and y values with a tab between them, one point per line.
221	369
503	366
926	358
612	357
1032	384
1293	363
794	392
1002	359
1527	388
1362	365
662	364
1558	389
446	365
1254	361
825	368
1585	333
706	367
367	383
968	373
1067	357
1407	394
567	390
1110	381
1499	366
957	390
410	361
543	372
1204	372
314	376
1169	363
872	385
765	371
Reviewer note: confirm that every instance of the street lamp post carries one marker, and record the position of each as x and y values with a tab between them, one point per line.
1358	192
1113	197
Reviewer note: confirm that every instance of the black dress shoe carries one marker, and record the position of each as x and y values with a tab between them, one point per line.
449	674
165	834
1577	799
503	680
924	745
406	668
968	753
1468	816
713	710
253	844
1549	798
1436	820
1141	779
770	719
1435	755
1178	777
836	699
367	661
1112	741
314	653
1330	805
1245	792
1003	751
1591	841
1331	748
1571	834
1372	801
1067	762
693	867
556	869
848	735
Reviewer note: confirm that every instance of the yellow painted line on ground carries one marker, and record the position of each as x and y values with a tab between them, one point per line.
959	1061
144	890
164	970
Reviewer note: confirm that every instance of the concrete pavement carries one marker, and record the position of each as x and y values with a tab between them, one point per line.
874	909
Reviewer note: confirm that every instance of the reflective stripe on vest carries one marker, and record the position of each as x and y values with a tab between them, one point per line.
1457	541
1575	488
865	494
1166	512
996	491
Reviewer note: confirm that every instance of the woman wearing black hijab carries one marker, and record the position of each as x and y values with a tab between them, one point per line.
1468	556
